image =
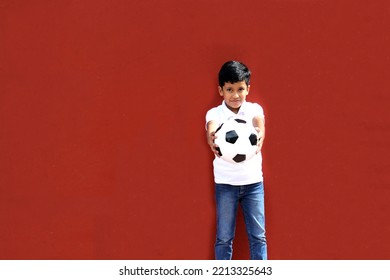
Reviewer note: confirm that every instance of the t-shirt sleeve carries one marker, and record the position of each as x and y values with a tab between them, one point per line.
259	110
211	115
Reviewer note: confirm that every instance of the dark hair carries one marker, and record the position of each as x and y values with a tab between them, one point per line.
233	72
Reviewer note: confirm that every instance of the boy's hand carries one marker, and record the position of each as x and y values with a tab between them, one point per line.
210	140
260	139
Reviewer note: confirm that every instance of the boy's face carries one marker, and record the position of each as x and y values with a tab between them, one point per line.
234	94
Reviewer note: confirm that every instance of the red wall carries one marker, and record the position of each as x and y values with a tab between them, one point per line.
102	141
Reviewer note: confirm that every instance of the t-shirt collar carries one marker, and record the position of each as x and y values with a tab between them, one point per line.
230	113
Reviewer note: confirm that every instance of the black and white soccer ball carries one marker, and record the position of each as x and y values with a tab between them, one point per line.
236	140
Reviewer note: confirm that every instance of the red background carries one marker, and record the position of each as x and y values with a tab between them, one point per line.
102	142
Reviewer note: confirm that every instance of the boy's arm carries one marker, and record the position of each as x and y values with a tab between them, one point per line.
210	131
259	124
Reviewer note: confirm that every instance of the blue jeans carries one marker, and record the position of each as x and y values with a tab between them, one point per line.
251	198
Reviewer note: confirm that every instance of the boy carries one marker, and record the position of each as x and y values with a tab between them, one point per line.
242	182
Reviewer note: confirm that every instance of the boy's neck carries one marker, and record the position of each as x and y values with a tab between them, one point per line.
234	110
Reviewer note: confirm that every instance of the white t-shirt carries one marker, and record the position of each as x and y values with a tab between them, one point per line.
238	174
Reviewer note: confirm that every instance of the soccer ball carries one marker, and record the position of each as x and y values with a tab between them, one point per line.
236	140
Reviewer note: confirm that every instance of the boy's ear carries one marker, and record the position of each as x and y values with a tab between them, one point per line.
220	91
249	87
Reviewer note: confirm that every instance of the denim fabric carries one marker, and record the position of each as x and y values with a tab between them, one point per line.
251	199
